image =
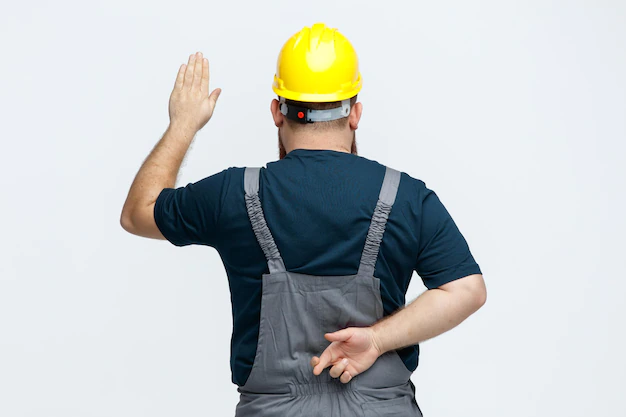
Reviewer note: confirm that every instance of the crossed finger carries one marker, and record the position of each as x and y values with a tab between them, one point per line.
325	360
338	370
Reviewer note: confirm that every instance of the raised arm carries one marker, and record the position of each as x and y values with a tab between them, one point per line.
190	108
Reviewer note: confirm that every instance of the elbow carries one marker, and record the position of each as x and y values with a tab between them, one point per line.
469	294
126	221
470	291
478	292
480	297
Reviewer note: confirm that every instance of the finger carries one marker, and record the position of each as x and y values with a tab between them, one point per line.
340	335
189	71
180	77
338	369
325	360
197	71
345	377
314	361
204	85
214	96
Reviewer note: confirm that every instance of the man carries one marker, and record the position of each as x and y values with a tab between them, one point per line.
319	247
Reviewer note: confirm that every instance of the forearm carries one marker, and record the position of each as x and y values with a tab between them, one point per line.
160	169
431	314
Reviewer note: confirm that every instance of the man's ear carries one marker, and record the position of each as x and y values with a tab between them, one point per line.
355	116
279	119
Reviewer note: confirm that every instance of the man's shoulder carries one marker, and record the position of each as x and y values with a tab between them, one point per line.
414	182
221	184
411	190
406	177
226	175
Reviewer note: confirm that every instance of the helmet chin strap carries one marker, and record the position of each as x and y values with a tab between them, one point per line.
304	115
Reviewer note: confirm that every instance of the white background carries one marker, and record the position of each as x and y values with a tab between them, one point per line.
513	112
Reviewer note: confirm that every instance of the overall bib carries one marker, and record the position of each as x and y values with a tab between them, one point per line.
298	309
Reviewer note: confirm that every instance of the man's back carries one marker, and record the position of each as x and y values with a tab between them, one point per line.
318	205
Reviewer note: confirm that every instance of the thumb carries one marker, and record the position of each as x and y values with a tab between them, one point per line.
339	336
214	96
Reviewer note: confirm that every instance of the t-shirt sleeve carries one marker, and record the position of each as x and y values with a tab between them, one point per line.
190	214
444	254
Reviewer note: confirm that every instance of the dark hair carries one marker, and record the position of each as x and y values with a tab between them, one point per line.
332	124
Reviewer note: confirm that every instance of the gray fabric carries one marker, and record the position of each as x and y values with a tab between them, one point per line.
257	219
389	189
297	310
330	114
386	198
251	179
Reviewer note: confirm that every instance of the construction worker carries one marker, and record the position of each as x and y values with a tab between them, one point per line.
319	246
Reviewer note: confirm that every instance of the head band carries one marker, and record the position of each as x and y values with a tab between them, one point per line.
304	115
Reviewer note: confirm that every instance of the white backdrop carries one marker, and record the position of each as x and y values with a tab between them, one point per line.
513	112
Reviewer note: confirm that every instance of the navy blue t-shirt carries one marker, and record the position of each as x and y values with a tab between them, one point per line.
318	205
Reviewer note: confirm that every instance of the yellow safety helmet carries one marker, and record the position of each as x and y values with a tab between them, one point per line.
317	64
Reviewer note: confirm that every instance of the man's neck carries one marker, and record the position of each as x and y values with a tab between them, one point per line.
319	147
333	141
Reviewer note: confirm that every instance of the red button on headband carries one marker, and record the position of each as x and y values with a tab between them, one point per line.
300	115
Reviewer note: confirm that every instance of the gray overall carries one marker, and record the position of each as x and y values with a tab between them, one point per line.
298	309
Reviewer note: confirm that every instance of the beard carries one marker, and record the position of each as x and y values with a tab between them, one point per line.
282	153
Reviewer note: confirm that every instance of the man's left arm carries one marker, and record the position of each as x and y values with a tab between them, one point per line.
190	108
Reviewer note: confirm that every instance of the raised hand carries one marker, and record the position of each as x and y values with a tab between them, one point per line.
191	106
353	350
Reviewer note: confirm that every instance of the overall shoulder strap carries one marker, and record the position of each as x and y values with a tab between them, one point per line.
257	219
386	199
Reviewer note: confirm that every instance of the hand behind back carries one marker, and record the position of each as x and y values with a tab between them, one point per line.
352	351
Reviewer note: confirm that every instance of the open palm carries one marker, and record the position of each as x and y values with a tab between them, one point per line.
191	106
